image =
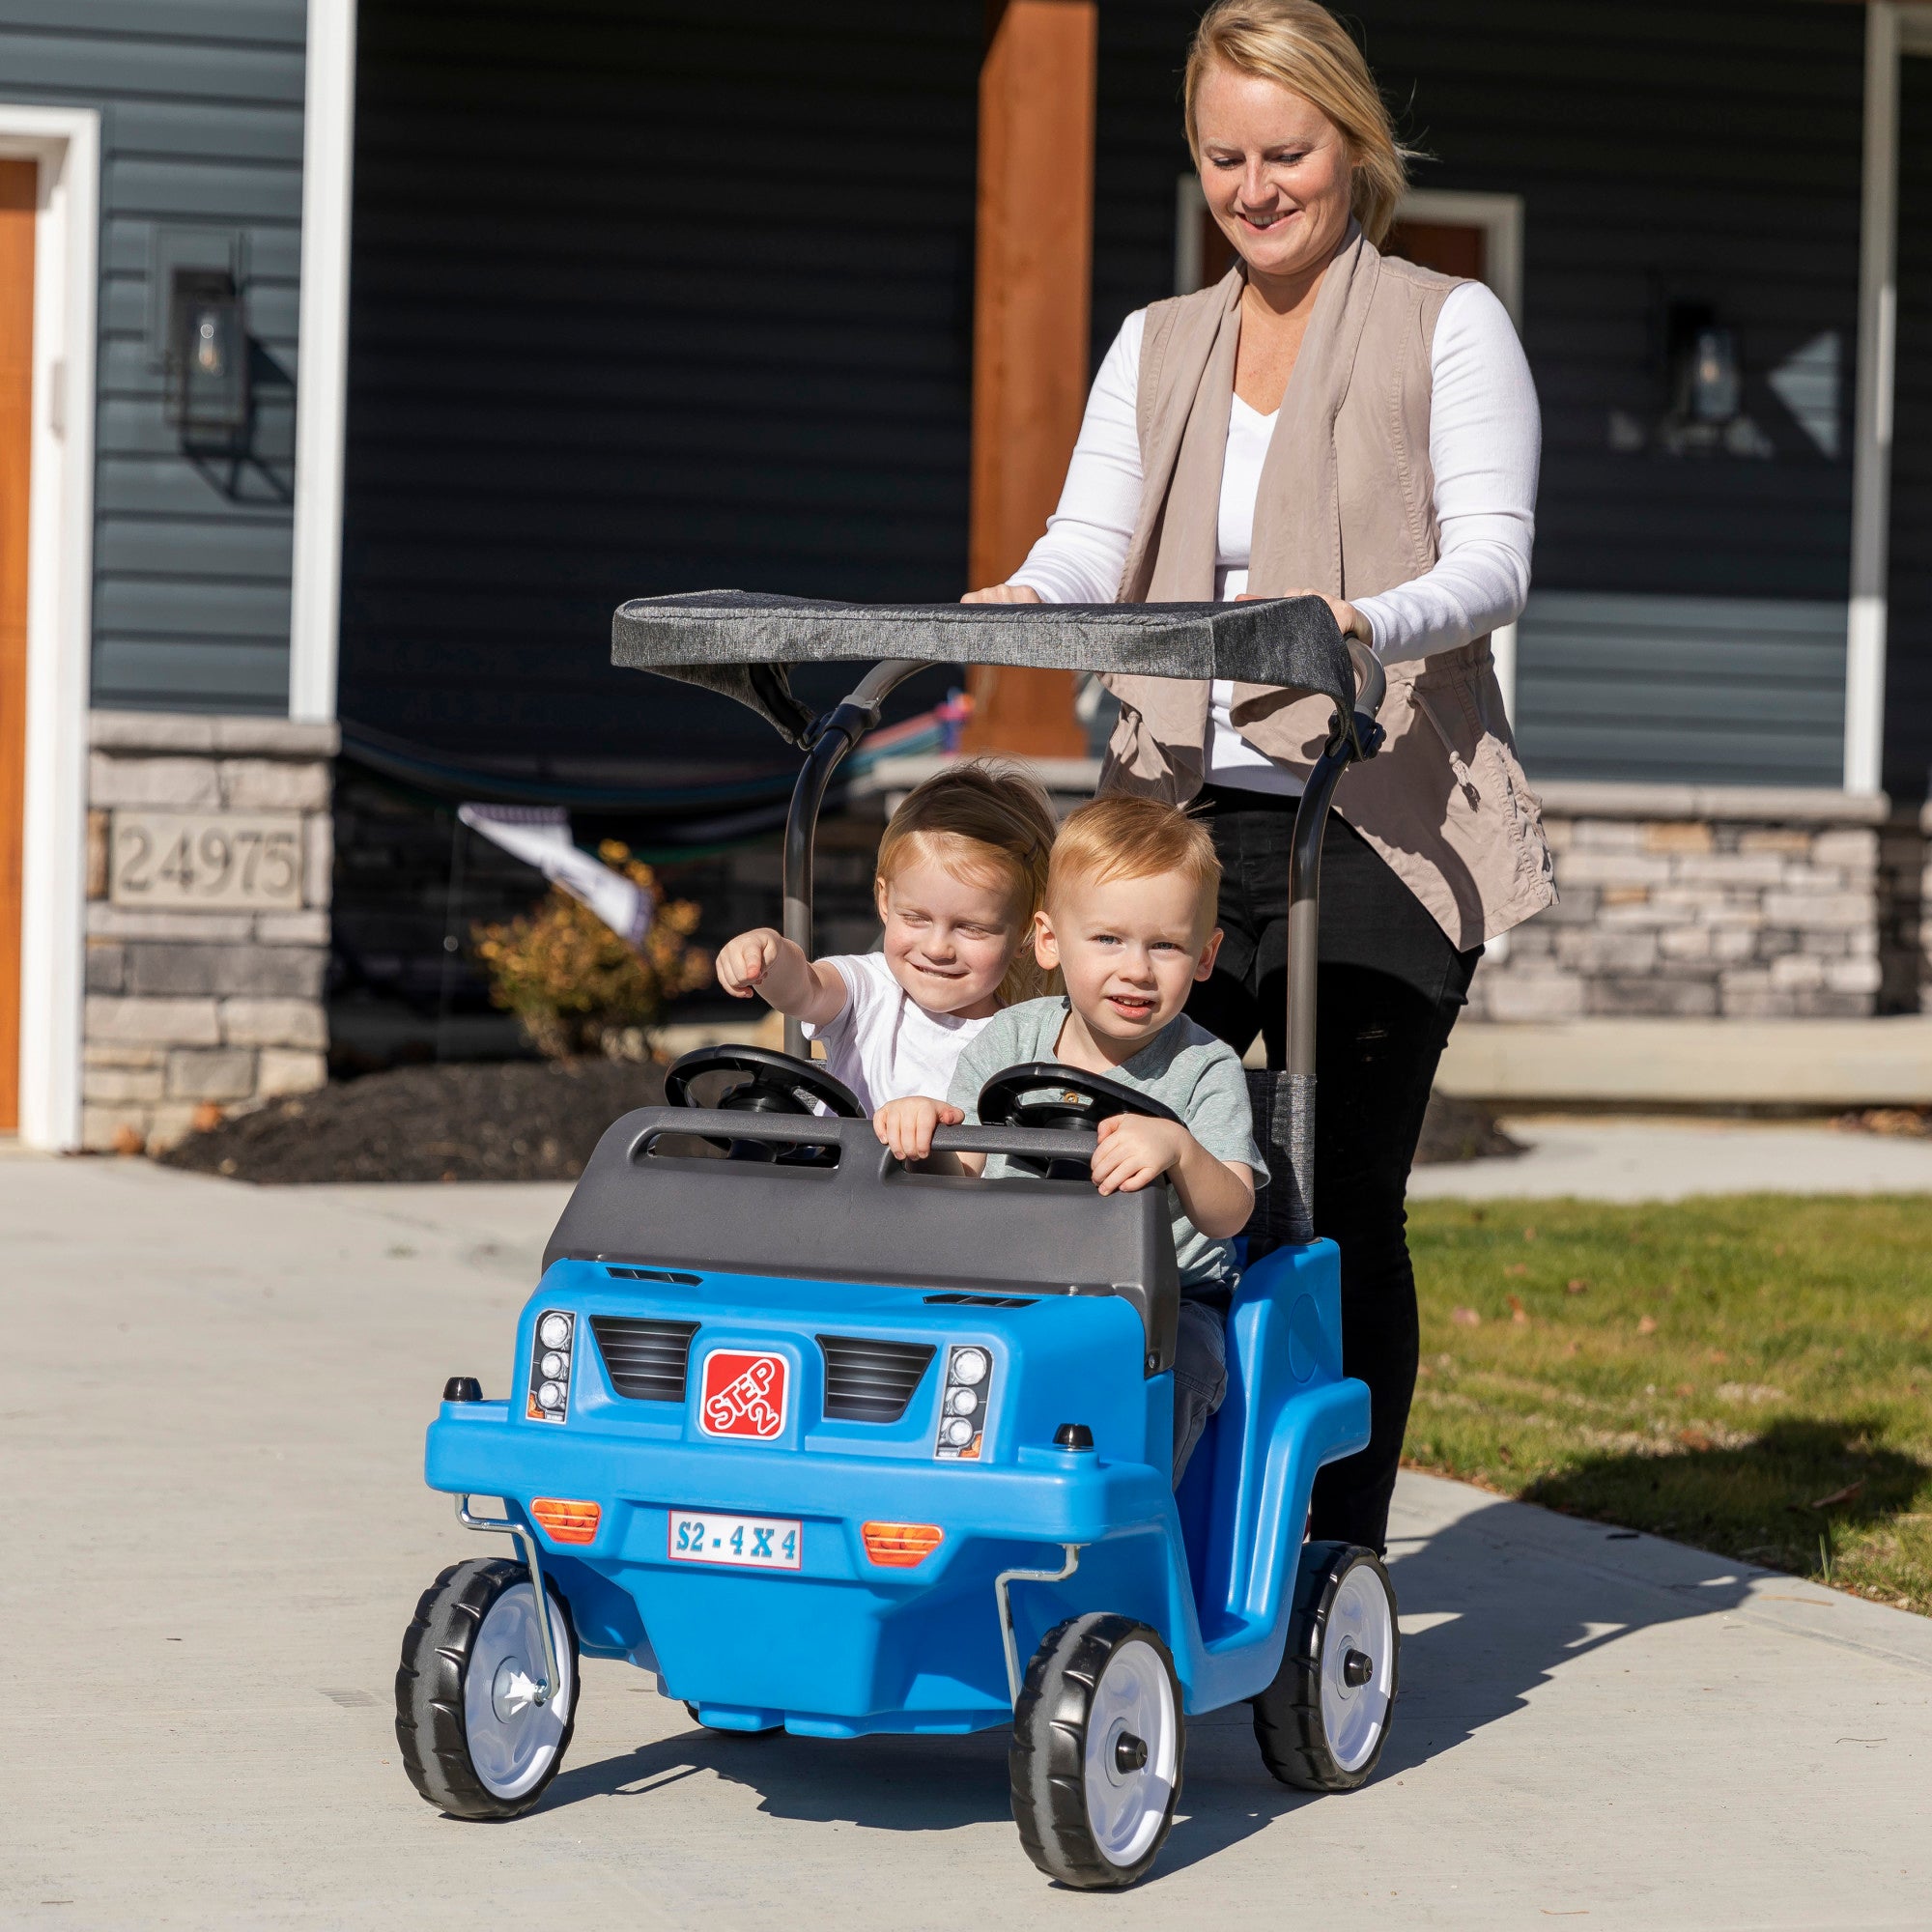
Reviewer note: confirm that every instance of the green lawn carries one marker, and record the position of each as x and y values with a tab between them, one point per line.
1752	1374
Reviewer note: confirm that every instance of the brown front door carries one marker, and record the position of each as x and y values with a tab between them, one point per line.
1450	247
18	181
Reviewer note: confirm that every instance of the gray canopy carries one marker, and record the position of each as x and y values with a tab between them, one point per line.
739	643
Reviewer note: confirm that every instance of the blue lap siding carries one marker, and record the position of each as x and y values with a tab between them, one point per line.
201	123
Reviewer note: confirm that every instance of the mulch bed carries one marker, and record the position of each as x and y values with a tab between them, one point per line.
515	1120
525	1119
1461	1130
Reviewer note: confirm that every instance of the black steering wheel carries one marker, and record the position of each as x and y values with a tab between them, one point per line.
1045	1093
778	1083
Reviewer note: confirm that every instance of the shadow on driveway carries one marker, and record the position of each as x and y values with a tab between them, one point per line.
1496	1617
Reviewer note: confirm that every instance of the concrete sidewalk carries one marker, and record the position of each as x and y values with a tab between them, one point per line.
1620	1158
212	1426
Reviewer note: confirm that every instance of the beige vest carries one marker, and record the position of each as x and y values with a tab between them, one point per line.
1345	506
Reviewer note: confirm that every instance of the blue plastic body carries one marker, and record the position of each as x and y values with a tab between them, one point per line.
841	1646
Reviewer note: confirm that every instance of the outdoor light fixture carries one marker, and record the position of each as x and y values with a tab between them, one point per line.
1713	380
207	356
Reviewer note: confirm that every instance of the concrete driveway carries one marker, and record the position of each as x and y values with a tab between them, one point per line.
211	1429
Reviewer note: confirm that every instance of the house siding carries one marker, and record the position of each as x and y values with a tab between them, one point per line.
645	297
201	114
1908	701
1702	151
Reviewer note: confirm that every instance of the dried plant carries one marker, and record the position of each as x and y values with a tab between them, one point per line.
575	985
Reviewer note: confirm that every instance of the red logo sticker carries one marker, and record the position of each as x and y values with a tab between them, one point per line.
743	1395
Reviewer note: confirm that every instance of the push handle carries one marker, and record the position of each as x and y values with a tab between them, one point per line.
1353	738
827	742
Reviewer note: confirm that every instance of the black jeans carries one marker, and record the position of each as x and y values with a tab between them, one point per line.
1390	986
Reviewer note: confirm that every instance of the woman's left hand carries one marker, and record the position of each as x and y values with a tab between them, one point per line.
1348	620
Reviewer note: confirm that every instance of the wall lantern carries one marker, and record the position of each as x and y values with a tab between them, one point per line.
207	356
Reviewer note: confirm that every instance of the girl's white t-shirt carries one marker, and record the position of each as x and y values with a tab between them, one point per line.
884	1045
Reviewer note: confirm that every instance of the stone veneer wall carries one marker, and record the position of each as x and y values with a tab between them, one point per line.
1739	902
192	1012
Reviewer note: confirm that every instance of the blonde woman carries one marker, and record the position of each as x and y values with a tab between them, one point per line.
1335	421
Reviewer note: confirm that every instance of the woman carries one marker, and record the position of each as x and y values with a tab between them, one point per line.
1334	422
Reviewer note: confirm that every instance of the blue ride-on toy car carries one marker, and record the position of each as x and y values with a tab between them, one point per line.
837	1447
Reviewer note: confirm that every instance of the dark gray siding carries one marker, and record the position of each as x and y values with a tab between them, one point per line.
1701	151
201	105
645	297
1908	708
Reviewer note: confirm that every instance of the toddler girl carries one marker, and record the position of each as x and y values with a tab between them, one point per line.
962	867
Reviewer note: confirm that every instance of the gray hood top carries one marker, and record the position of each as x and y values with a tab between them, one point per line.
739	643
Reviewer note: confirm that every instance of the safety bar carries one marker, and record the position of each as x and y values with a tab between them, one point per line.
827	742
545	1638
822	1131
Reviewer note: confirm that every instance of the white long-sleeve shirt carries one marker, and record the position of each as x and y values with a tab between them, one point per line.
1485	441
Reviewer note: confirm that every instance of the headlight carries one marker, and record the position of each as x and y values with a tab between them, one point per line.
550	1367
965	1404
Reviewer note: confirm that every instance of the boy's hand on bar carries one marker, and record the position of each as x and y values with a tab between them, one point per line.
1135	1152
1216	1195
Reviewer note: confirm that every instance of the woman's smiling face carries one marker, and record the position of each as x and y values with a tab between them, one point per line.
1276	171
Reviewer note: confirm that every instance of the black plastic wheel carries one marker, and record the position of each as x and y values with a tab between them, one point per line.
1322	1723
1099	1740
474	1742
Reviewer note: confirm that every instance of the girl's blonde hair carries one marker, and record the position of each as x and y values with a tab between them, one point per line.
982	818
1303	47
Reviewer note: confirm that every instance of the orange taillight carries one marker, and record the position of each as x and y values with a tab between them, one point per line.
567	1521
898	1545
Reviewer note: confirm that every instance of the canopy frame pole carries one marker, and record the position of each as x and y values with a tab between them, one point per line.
1356	737
831	737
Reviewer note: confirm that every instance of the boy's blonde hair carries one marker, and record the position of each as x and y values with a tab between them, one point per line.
985	821
1122	837
1302	46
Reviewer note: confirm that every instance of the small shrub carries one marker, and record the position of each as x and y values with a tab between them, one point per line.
575	985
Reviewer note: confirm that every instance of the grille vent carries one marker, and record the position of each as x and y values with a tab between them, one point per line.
646	1361
871	1382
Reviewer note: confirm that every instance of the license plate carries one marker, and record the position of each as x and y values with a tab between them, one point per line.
753	1542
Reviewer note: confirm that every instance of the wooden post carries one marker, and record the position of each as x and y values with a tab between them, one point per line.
1032	296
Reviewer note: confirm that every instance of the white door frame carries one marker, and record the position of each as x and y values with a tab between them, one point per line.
66	144
1893	30
321	373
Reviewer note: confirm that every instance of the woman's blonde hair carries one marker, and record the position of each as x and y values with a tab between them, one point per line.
1303	47
986	821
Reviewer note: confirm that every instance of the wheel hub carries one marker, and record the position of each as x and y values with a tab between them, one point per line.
513	1722
1131	1748
513	1690
1354	1687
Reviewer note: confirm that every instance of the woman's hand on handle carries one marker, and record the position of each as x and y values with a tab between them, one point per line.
1003	593
1348	620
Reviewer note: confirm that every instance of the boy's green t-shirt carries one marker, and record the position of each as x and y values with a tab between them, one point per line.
1183	1066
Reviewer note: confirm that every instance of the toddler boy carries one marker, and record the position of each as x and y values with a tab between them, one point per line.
1128	920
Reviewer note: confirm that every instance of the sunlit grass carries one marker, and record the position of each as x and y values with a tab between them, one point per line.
1752	1374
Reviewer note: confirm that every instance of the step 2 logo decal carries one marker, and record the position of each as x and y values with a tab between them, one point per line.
743	1395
